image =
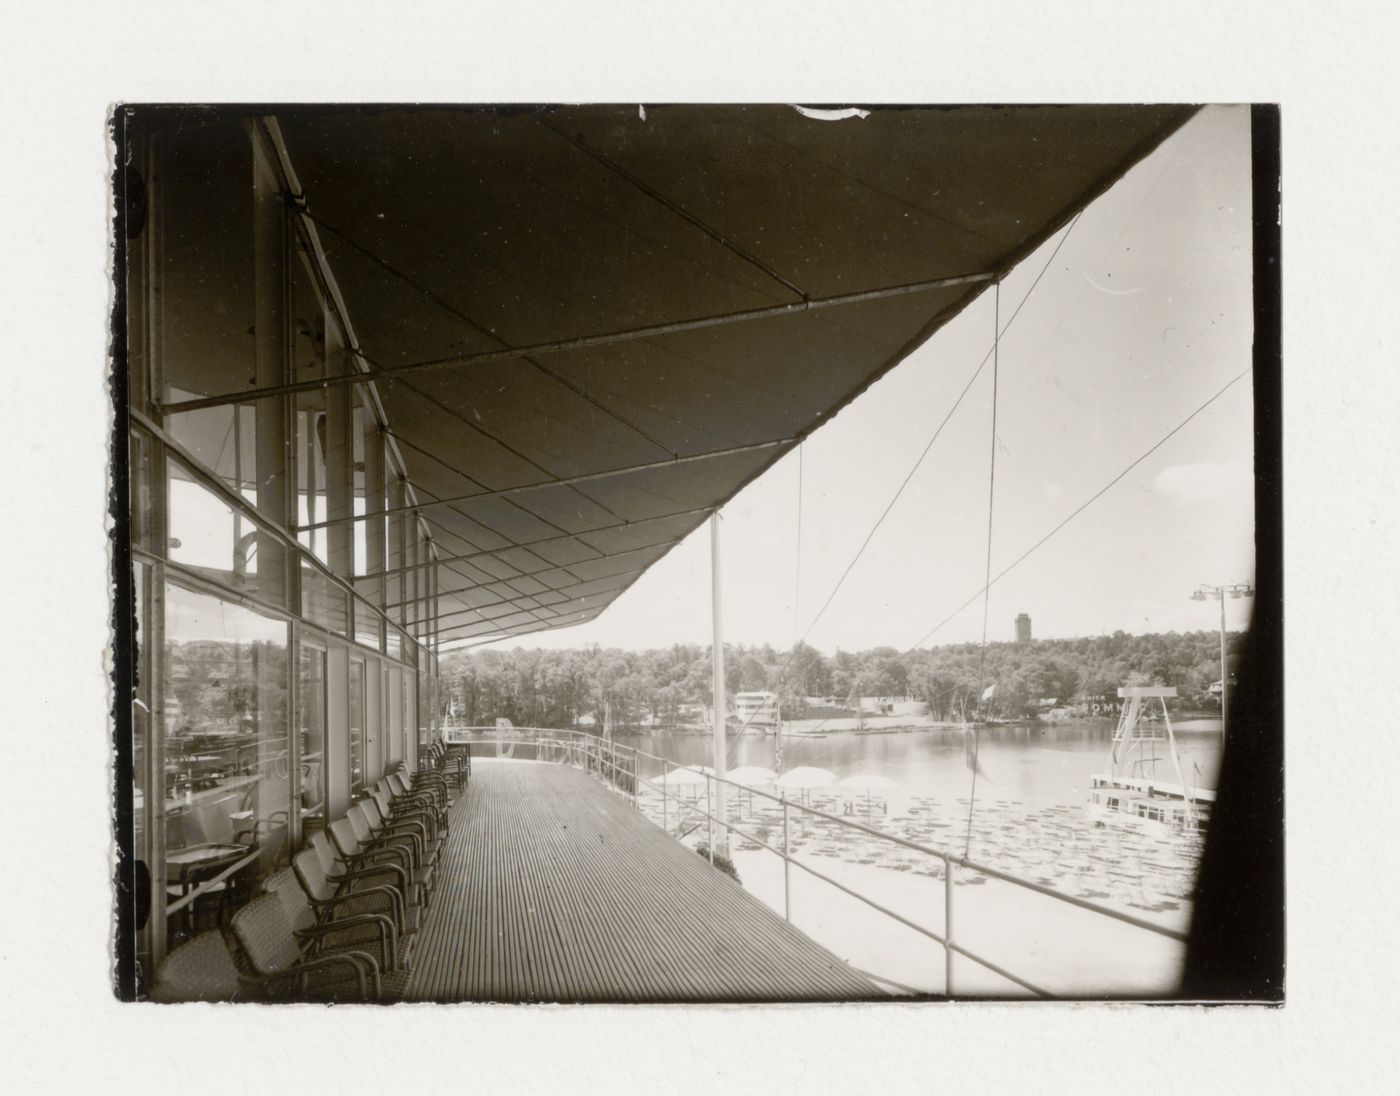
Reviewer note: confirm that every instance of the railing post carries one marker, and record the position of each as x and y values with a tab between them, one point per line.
666	796
947	926
710	815
636	780
787	867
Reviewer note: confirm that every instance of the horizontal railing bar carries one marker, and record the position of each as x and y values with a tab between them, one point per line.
960	950
963	862
813	871
876	905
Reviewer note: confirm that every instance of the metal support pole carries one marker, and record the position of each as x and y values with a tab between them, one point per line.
787	868
947	926
636	780
710	815
665	796
721	750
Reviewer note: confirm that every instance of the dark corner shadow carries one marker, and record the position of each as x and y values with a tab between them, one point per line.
1236	946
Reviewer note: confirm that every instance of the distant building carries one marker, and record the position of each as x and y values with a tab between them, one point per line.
758	708
1023	628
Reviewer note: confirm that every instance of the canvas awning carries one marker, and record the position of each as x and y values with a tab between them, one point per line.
590	328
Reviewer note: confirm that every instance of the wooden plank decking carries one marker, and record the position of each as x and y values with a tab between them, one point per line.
555	889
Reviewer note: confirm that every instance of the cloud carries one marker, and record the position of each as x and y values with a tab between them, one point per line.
1206	482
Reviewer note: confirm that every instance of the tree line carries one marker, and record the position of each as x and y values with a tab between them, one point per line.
665	685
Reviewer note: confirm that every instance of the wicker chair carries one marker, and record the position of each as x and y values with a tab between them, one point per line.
425	793
356	855
200	970
327	884
417	828
339	927
270	946
434	828
430	781
421	873
394	804
449	763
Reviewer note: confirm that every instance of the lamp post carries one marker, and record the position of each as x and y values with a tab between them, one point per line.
1206	592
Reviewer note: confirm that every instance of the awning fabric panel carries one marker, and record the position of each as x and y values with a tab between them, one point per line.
459	231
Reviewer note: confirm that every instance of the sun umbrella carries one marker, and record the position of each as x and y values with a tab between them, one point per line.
804	778
692	775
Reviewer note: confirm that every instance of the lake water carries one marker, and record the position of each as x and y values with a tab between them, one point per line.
1041	764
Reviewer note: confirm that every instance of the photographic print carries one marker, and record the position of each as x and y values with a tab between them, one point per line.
656	553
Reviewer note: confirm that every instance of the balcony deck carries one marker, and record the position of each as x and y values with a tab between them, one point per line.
556	889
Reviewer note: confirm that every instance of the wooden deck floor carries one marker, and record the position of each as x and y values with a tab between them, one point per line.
555	889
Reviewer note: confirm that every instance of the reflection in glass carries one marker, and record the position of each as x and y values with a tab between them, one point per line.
227	784
309	363
213	537
311	727
140	734
366	625
322	601
357	726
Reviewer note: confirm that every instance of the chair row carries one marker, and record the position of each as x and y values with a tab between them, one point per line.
338	922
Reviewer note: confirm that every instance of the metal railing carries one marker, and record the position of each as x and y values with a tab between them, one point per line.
620	766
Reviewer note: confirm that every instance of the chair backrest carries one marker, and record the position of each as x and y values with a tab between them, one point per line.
359	823
347	843
200	970
369	807
295	904
265	935
320	843
396	784
381	801
311	872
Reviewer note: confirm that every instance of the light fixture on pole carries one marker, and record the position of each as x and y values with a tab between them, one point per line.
1205	592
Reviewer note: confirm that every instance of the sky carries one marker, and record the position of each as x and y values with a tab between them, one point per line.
1143	315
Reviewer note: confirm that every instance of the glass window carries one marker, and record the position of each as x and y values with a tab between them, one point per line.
140	730
323	602
366	625
357	725
206	272
424	704
393	691
393	641
311	727
220	541
358	494
143	531
227	782
309	363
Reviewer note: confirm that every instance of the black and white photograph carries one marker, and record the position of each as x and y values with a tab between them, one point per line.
728	548
655	553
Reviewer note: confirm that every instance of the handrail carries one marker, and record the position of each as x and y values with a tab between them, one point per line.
594	747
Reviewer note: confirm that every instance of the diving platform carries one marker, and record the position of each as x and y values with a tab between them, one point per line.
554	888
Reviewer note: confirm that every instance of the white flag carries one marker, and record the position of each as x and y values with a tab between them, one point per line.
989	690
